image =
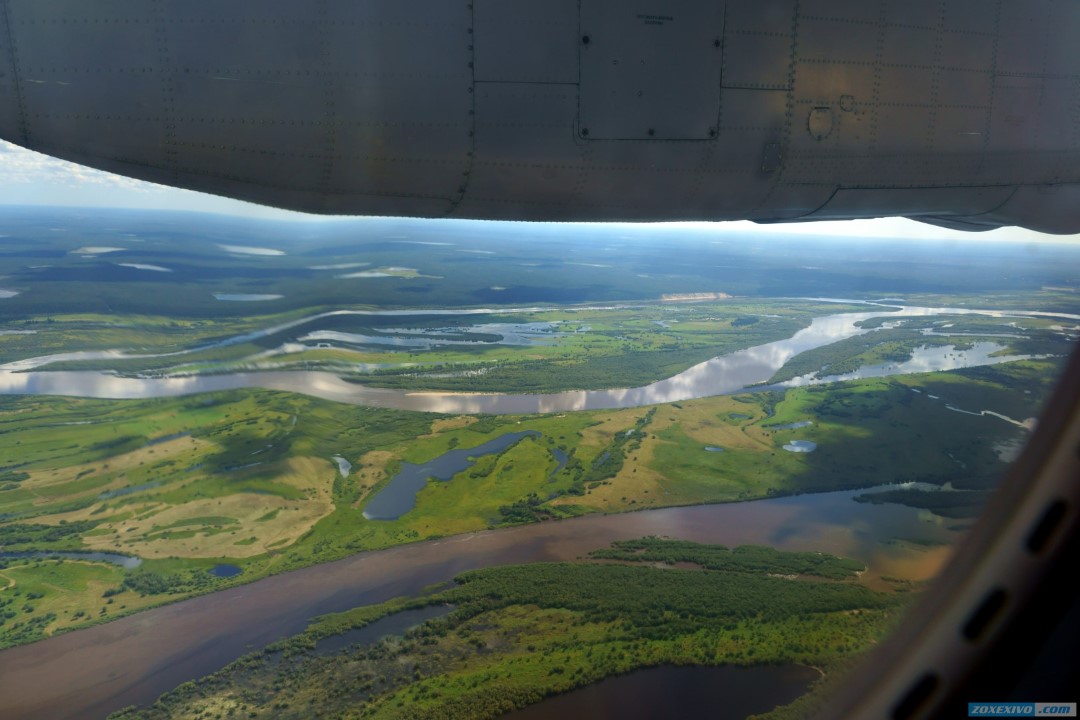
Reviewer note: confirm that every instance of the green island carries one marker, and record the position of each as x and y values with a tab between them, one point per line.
515	635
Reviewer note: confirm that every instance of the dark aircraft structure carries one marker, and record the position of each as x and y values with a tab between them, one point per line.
959	113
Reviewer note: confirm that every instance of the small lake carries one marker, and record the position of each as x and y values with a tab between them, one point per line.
144	266
245	297
720	693
399	496
790	426
561	458
225	571
801	446
128	562
344	466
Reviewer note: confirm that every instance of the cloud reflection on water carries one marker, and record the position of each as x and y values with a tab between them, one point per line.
722	375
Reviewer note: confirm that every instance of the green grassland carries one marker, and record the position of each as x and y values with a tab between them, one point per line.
519	634
246	478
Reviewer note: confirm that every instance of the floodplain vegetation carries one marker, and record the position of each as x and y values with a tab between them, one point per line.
567	348
247	478
512	636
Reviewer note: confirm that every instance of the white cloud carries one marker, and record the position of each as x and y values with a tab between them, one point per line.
31	178
23	167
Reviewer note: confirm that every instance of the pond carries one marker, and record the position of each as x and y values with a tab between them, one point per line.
801	446
144	266
720	693
561	458
344	466
245	297
790	426
225	571
399	496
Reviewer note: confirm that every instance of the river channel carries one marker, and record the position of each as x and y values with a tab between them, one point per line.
726	374
90	673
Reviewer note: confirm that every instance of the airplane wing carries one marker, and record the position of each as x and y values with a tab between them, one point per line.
964	113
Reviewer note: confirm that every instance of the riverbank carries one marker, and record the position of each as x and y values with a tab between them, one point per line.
518	634
136	658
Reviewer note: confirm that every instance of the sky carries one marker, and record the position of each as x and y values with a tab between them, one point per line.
30	178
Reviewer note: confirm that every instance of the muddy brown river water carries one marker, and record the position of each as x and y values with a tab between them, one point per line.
90	673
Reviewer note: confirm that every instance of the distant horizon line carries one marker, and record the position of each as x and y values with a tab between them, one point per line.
792	231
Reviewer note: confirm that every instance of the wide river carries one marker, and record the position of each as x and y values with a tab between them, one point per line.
722	375
89	673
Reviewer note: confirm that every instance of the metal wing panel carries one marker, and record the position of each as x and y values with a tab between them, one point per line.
528	156
401	106
914	201
649	76
77	81
745	165
758	108
832	40
921	13
11	123
971	16
528	41
645	181
756	61
1025	27
853	12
